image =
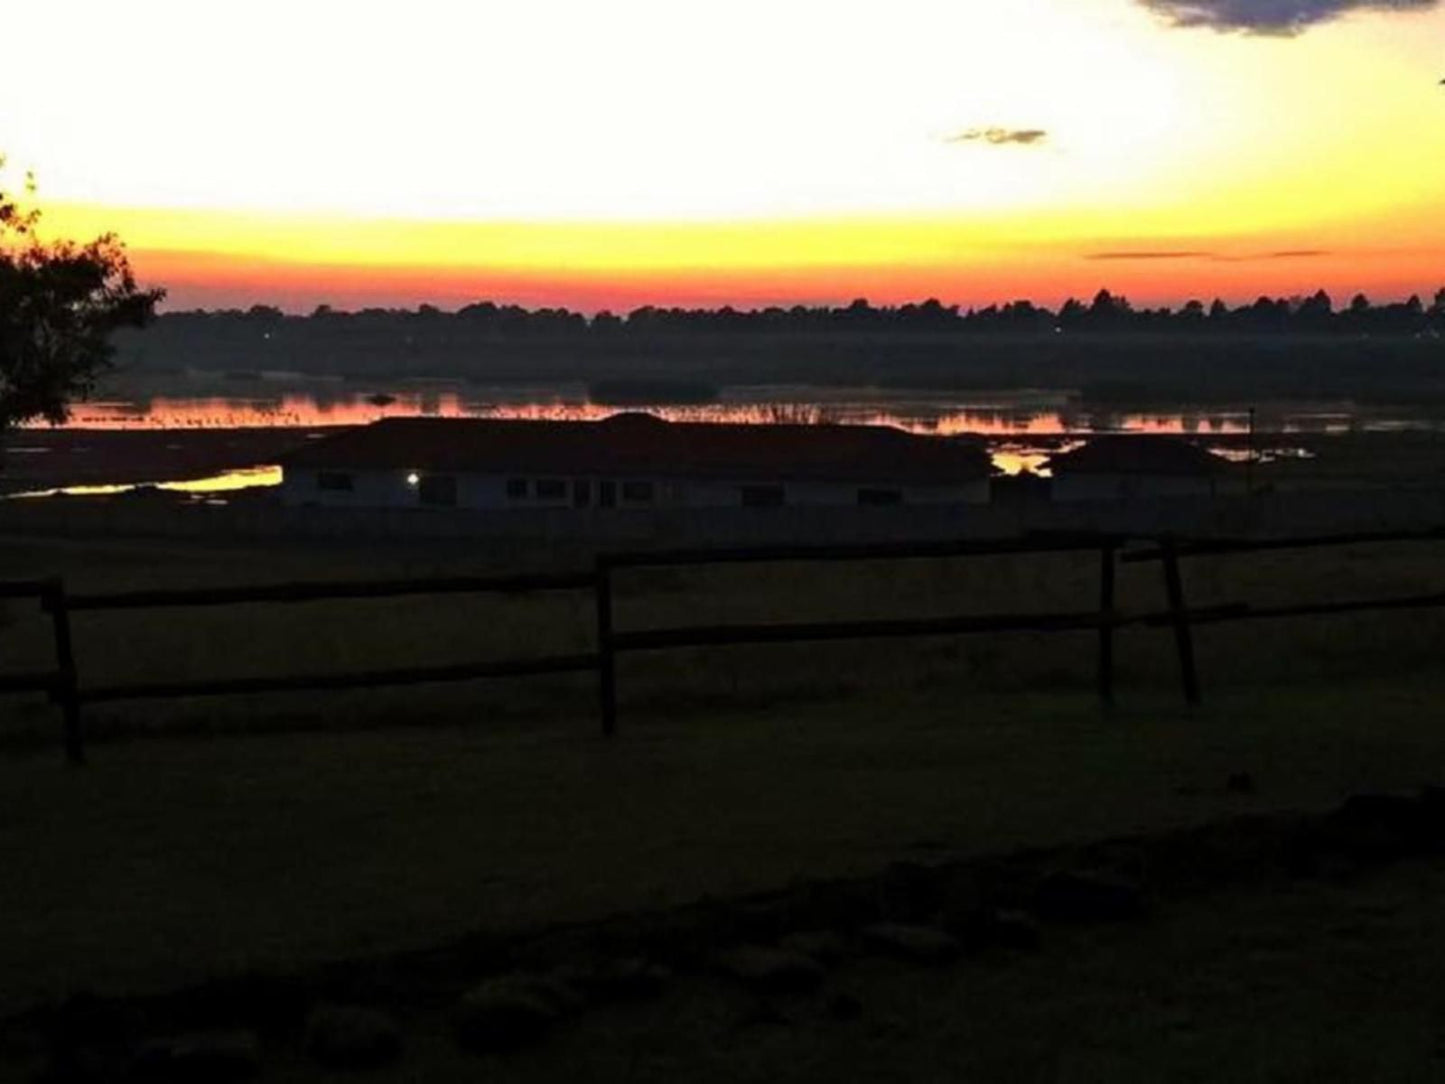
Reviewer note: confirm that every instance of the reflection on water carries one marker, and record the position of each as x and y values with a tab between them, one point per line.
226	482
1023	429
918	414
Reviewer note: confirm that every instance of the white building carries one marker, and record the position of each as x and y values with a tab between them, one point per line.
1133	466
629	461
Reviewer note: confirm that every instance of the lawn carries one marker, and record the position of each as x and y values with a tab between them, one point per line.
1318	982
214	836
168	860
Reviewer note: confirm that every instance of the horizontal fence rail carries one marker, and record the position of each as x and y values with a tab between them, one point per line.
366	679
1214	546
23	588
64	688
27	683
330	591
1038	542
1243	611
705	635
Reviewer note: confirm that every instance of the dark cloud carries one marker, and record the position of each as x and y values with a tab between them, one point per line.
1285	254
1149	256
1277	18
1001	137
1200	254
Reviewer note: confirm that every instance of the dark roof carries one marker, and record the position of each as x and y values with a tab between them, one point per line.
642	445
1138	454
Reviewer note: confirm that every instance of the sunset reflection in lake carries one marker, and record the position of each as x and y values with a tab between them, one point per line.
919	414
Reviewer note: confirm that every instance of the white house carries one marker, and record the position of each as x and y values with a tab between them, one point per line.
1133	466
629	461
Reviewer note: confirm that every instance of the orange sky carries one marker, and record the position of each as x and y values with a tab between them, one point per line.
641	152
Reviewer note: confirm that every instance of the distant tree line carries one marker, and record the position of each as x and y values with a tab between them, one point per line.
1316	314
1106	348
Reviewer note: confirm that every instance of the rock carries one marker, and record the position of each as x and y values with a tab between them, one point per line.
910	891
1014	930
1240	783
763	1013
920	944
620	980
350	1037
1089	897
824	946
834	905
989	927
771	970
844	1006
209	1057
510	1012
1432	813
557	992
1371	827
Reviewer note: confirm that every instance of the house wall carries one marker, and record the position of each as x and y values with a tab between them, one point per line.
1128	487
391	489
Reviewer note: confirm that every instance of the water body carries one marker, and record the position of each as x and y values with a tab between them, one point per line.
1022	428
1017	414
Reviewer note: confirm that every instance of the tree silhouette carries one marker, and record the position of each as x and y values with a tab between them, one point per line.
60	301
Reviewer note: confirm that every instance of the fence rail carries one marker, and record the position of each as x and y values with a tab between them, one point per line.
365	679
1208	547
325	592
65	689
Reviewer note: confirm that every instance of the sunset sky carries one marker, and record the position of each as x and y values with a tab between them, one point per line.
607	155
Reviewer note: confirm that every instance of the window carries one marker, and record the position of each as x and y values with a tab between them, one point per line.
762	496
879	496
438	490
581	492
335	481
607	494
638	492
517	489
551	489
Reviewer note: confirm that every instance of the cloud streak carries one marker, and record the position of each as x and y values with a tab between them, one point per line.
1212	257
1271	18
1001	137
1184	255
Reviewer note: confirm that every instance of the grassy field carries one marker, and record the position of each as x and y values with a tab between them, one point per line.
307	828
255	640
1309	981
165	861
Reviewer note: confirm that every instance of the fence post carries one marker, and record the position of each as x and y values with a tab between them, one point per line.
65	691
1179	615
606	656
1106	626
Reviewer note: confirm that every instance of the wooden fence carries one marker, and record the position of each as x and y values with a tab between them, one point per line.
63	685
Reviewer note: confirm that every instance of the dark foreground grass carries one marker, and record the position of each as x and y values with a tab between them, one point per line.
1305	981
166	862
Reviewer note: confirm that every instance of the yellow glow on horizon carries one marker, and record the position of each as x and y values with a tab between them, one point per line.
751	150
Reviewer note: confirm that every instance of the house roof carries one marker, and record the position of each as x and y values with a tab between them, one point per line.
642	445
1138	454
